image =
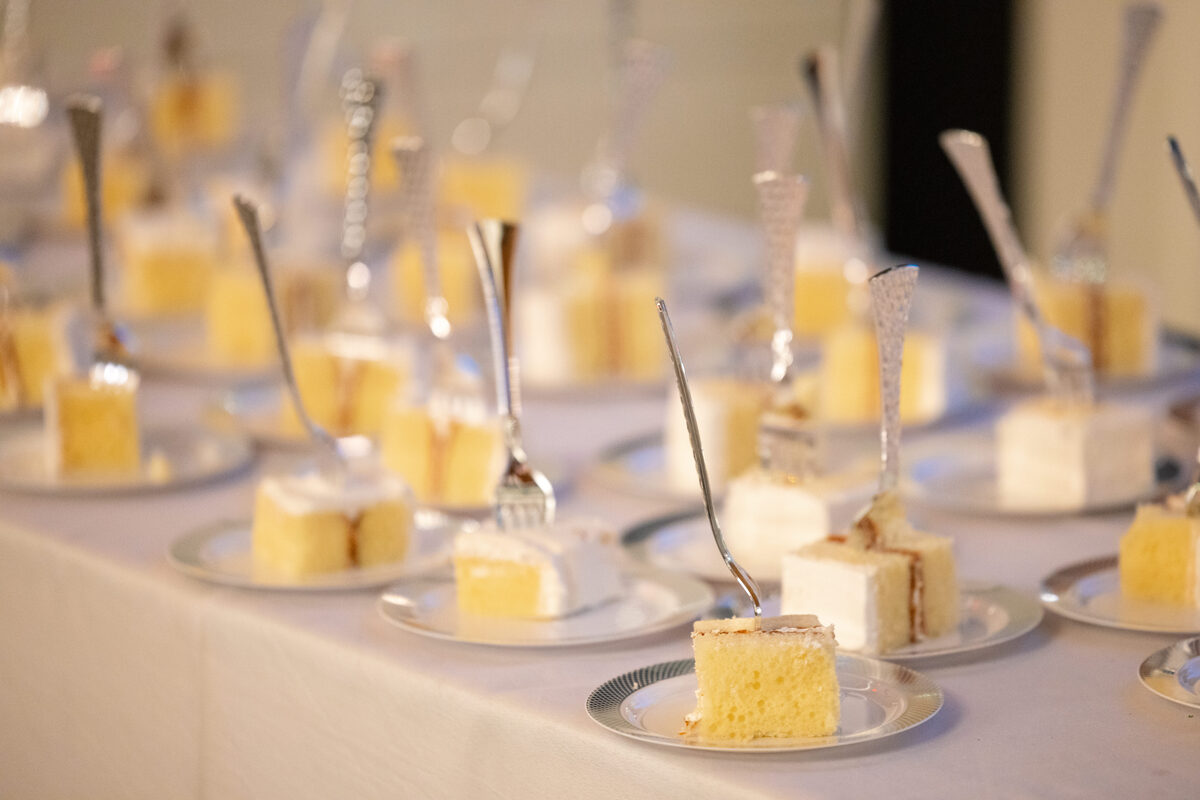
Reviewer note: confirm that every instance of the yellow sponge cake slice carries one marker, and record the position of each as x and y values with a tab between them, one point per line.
770	677
1160	557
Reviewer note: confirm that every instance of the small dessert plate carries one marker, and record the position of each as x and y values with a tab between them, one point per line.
220	553
991	615
958	474
1091	592
653	601
878	699
1174	672
175	457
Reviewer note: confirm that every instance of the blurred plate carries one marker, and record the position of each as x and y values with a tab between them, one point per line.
1091	592
192	455
221	554
957	473
1174	672
653	601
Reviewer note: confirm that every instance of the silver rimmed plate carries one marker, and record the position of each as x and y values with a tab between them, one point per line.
174	458
220	553
1174	672
991	615
1091	592
652	601
957	473
878	699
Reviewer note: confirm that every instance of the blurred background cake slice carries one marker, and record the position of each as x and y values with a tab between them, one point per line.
1159	558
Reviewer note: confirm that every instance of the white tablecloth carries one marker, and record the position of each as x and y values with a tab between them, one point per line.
121	678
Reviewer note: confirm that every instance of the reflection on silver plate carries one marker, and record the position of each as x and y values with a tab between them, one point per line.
191	360
1174	672
878	699
1177	359
220	553
991	615
257	411
1090	592
187	455
653	601
958	473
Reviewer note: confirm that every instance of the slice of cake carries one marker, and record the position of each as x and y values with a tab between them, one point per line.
828	269
773	677
484	187
1160	556
309	524
727	413
849	377
237	322
167	259
456	269
883	584
348	382
194	112
537	573
1118	321
36	345
451	454
1052	454
769	514
92	426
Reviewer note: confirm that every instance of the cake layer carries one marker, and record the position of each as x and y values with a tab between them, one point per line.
167	259
348	382
767	515
36	344
456	272
727	413
1118	322
450	454
92	426
881	583
828	268
308	523
849	385
1160	557
537	573
764	678
1060	456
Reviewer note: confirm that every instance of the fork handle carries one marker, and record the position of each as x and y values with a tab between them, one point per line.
820	71
494	243
86	112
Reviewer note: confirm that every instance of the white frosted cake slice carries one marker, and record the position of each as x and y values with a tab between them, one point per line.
768	514
536	573
727	413
1056	455
764	677
309	523
883	585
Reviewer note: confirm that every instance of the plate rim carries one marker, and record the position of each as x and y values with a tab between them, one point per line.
603	704
242	458
1164	429
1154	666
679	617
193	539
1052	586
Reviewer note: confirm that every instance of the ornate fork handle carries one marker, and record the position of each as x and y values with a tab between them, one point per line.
494	243
891	299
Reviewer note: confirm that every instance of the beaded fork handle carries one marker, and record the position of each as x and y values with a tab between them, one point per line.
891	298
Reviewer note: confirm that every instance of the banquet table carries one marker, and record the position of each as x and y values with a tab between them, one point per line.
122	678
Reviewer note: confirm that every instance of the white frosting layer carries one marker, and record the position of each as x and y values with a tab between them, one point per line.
577	561
541	328
840	592
767	516
313	492
1056	456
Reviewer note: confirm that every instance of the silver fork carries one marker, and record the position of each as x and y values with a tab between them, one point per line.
1066	362
524	496
248	214
786	435
820	71
110	343
1184	170
1082	250
743	577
